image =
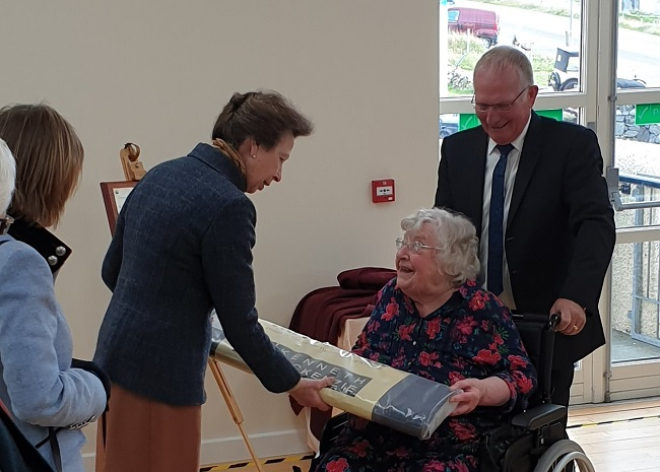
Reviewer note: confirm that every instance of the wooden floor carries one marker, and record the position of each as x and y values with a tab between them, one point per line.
621	437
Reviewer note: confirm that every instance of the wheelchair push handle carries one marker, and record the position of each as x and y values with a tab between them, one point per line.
550	322
554	320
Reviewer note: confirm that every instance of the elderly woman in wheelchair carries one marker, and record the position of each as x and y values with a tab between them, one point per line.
434	321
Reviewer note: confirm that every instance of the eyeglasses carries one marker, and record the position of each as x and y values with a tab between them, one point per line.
499	107
415	247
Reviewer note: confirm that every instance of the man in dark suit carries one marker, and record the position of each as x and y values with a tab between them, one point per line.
534	189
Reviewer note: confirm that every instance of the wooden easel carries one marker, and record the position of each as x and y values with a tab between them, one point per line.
115	193
133	172
132	167
235	411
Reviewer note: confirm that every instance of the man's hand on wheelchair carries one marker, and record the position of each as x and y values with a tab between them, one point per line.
307	392
572	316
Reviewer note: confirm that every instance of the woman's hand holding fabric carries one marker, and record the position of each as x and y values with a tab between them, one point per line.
492	391
307	392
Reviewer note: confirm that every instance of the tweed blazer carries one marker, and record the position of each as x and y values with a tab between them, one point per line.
182	246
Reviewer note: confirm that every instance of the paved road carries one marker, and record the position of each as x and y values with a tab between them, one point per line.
639	53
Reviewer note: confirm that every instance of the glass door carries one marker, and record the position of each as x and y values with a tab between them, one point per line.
630	94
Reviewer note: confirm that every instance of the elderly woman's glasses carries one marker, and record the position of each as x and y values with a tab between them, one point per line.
415	246
498	107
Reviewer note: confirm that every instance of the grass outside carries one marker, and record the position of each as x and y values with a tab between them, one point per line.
464	52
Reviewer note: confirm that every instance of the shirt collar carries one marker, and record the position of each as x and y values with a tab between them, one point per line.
464	293
468	289
517	143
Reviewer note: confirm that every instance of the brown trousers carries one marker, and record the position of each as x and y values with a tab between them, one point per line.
140	435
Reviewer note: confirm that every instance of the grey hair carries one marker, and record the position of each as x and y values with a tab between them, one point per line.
456	236
500	58
7	177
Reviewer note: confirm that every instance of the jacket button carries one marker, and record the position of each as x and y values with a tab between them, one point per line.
60	250
52	260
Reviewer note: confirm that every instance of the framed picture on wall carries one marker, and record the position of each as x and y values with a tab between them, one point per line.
114	196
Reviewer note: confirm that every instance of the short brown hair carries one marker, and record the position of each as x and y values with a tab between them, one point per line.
263	116
49	159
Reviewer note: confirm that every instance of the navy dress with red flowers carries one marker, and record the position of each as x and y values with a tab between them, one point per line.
470	336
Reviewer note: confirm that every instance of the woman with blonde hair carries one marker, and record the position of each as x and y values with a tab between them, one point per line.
48	398
49	159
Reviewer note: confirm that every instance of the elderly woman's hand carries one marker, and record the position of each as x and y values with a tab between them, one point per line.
469	397
307	392
492	391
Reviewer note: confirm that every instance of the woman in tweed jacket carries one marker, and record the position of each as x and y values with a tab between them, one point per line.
183	246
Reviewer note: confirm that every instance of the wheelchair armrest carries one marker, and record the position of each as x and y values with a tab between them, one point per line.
539	416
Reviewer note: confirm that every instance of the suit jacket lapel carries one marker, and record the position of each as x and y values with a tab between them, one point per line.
476	170
530	156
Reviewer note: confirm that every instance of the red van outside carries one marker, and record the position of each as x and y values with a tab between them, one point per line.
484	24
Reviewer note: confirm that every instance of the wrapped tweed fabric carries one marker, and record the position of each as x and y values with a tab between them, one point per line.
391	397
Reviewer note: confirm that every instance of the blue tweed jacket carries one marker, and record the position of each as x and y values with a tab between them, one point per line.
182	246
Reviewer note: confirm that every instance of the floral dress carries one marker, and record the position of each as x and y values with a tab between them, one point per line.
471	336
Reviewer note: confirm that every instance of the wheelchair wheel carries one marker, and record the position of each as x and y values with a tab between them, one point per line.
561	454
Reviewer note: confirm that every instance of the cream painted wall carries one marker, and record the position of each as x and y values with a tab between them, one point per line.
157	74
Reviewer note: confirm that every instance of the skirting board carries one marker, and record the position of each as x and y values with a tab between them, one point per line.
233	449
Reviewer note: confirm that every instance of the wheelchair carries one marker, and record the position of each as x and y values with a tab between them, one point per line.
534	440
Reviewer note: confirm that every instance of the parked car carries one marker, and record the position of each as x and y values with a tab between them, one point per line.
448	126
484	24
566	74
